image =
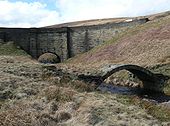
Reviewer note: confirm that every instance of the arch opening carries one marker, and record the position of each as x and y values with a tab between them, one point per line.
49	57
124	78
149	80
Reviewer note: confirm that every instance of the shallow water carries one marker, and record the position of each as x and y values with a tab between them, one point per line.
119	89
143	93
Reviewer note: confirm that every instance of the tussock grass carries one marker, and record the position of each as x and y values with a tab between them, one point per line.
58	93
160	112
11	49
49	74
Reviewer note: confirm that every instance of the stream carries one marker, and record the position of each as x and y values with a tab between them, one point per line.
150	95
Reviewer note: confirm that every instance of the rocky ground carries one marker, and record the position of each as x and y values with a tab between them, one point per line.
31	95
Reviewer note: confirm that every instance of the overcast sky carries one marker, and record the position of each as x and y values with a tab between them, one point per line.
37	13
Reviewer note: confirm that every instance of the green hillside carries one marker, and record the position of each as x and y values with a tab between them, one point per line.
11	49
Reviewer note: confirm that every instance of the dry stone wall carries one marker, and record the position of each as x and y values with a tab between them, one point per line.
66	42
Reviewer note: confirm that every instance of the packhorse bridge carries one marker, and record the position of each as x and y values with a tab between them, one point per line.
151	81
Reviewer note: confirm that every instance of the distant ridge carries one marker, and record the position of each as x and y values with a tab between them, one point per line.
107	20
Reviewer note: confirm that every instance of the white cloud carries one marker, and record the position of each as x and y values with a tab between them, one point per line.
36	14
22	14
72	10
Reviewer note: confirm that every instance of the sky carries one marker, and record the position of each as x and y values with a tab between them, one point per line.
39	13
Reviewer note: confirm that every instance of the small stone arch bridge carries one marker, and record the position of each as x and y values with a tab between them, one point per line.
151	81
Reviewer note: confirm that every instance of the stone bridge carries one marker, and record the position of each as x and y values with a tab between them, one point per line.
65	42
151	81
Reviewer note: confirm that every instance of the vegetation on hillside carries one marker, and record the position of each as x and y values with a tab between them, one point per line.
145	44
11	49
34	94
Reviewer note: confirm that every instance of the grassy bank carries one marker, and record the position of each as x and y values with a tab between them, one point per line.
11	49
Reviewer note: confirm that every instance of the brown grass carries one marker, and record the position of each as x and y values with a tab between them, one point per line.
146	44
158	111
59	94
53	100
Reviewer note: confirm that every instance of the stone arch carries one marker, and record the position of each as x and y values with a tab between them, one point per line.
55	54
49	57
150	80
142	73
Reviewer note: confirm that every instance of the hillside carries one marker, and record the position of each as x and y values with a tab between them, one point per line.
107	20
145	45
32	95
35	94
